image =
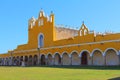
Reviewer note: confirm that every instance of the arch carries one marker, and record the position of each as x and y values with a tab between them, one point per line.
40	40
49	59
85	57
14	61
43	60
84	51
110	49
18	61
30	62
65	59
7	61
57	59
75	60
111	57
55	54
64	53
73	52
26	60
96	50
35	60
98	58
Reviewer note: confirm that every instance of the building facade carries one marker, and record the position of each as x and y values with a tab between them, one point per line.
51	45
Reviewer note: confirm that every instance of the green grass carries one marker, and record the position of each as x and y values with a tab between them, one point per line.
60	73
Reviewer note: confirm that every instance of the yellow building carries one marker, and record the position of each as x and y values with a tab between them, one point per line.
51	45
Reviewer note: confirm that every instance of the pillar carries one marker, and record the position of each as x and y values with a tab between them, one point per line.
119	59
80	59
61	60
23	62
70	59
38	59
91	60
53	60
104	57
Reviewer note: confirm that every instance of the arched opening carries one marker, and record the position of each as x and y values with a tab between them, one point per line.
3	60
18	61
98	58
35	60
112	57
84	58
6	61
30	63
57	59
0	61
75	58
21	60
50	60
43	61
26	60
65	59
14	61
41	40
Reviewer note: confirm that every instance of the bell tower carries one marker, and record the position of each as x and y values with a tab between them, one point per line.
42	25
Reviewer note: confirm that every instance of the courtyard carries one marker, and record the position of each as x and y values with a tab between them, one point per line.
60	73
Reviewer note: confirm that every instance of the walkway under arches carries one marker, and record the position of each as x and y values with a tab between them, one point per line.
43	60
50	59
65	59
57	59
75	60
85	58
98	58
30	62
111	57
26	60
35	60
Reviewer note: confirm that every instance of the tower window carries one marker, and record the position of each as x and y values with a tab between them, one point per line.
40	23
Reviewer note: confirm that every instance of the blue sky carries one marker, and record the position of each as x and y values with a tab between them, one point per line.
98	15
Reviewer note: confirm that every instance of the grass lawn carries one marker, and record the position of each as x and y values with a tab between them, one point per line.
60	73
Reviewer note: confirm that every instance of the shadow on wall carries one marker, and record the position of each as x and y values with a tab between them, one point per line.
117	78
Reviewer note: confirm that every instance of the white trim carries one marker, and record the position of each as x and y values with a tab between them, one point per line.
42	54
97	49
74	51
64	53
112	49
48	54
80	55
55	54
68	46
38	39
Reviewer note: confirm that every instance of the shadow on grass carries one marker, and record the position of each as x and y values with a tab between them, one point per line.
74	67
83	67
117	78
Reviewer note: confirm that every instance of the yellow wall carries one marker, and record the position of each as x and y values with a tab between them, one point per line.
48	29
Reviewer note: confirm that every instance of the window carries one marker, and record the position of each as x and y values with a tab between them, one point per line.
40	23
41	41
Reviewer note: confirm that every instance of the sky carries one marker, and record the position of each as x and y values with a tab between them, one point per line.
98	15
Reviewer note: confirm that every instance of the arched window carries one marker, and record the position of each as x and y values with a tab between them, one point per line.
41	41
40	23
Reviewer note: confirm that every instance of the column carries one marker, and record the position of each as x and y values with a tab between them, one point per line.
23	62
38	59
61	60
119	57
70	59
46	60
80	59
92	60
104	56
53	60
